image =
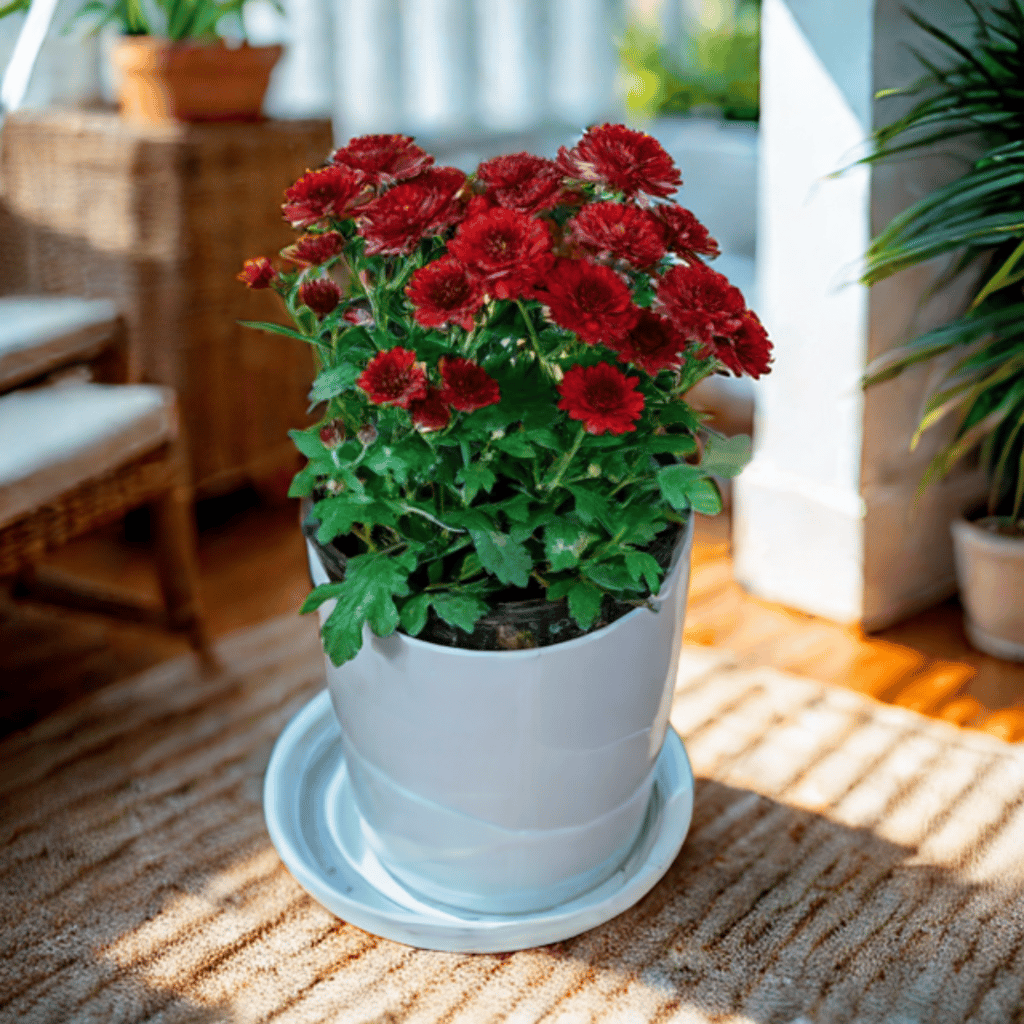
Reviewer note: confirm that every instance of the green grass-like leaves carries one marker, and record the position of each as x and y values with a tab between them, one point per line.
978	91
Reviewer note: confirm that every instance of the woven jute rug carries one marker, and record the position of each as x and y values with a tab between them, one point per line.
847	862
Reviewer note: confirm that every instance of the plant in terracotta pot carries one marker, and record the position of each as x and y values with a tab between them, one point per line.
174	65
980	216
500	495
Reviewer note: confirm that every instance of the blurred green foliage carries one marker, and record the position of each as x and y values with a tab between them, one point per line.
717	68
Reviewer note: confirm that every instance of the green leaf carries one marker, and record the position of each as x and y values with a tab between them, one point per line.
471	565
271	328
592	507
366	595
303	482
340	512
334	381
564	542
414	614
320	594
545	438
559	588
725	456
705	498
460	610
675	483
475	477
516	445
470	519
308	442
503	557
537	518
641	564
609	576
683	487
670	444
337	515
383	460
681	414
517	509
585	604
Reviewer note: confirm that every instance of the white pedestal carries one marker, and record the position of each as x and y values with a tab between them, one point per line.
826	518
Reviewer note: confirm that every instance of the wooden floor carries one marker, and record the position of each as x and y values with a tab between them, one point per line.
253	568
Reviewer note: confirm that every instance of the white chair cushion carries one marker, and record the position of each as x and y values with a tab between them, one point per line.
54	438
39	332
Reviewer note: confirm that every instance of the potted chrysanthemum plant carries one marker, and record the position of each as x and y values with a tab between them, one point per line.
500	493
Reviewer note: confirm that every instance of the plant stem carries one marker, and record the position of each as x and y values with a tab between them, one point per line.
363	534
567	458
535	342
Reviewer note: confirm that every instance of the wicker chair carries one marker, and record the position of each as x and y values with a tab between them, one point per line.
78	452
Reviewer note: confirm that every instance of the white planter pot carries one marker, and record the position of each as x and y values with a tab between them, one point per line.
509	781
990	572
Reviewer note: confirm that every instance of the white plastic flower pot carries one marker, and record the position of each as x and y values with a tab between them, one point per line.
990	573
509	781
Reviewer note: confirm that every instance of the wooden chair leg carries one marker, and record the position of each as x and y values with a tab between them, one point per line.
174	536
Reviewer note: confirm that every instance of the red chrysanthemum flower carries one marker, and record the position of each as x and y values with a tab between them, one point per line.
507	251
622	159
602	398
748	350
684	234
432	412
321	295
312	250
653	344
591	300
395	222
257	273
700	303
393	378
329	192
443	292
523	182
383	159
621	231
466	385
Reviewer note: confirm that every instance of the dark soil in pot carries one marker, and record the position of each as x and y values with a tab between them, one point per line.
521	619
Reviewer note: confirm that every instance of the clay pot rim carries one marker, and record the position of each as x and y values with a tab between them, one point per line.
133	51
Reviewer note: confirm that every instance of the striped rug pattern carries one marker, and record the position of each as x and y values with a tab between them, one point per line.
848	862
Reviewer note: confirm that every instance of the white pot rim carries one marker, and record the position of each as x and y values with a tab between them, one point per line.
967	530
678	557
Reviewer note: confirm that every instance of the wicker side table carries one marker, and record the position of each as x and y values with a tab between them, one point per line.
160	219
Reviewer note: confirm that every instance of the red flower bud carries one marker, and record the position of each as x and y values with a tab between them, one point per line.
332	435
257	273
321	295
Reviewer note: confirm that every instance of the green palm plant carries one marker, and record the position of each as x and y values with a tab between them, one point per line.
978	92
172	19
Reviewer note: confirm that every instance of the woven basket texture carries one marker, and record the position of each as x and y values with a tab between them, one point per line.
160	218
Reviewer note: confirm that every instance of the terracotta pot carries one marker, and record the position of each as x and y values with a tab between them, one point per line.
166	82
990	572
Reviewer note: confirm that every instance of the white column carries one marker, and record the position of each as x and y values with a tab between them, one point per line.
303	81
584	62
826	519
368	67
439	65
511	42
